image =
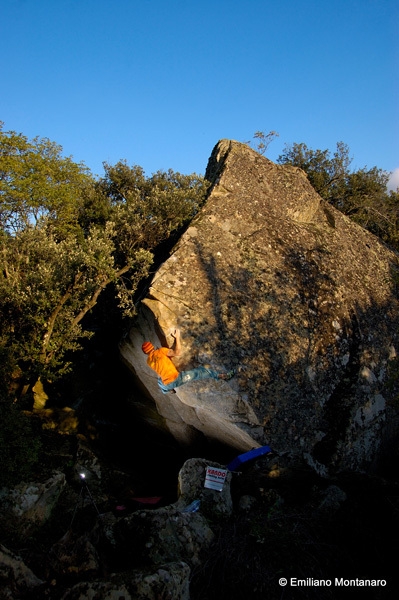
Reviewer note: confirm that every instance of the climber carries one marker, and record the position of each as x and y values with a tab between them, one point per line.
168	376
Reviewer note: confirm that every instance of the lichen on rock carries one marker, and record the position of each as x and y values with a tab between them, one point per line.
271	280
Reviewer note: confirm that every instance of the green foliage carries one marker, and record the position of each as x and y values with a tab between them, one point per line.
46	287
326	173
151	208
37	182
362	195
64	238
263	140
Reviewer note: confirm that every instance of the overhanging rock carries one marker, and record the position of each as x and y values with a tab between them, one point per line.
217	409
273	281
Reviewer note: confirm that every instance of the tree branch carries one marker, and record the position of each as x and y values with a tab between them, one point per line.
93	300
53	317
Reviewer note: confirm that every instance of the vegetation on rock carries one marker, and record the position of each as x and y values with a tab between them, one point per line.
362	195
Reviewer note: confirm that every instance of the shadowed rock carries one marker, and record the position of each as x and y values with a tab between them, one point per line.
16	579
272	280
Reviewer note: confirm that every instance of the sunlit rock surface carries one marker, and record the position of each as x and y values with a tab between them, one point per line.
273	281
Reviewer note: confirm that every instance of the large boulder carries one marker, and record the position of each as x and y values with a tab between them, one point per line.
163	535
16	578
30	505
74	555
169	581
272	280
150	550
213	503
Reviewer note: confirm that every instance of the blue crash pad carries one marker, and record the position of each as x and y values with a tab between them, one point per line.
243	458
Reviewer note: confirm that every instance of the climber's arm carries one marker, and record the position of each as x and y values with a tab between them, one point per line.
176	348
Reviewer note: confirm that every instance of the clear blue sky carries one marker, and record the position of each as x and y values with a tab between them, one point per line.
158	83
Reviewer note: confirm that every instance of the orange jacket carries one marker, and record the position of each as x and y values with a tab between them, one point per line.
160	362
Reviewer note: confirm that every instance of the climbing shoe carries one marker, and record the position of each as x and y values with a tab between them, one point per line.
230	374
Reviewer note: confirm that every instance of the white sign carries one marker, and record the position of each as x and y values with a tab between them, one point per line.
215	478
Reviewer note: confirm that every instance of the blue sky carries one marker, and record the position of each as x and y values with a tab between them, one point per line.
159	83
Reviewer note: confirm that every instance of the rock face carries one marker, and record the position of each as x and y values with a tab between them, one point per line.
16	579
214	503
32	503
273	281
144	555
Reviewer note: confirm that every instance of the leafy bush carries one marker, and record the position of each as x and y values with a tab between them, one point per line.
361	195
65	238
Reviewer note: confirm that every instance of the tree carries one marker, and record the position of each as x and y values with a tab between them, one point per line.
146	211
263	140
59	253
326	173
47	286
361	195
37	182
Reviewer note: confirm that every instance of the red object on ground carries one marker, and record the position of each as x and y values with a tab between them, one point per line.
150	500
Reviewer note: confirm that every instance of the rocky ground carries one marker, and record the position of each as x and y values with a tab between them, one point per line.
282	521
